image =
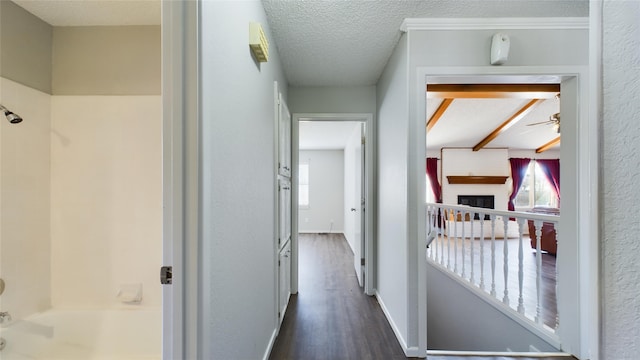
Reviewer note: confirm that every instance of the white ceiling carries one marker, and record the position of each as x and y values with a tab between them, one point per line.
347	43
468	121
343	43
94	12
320	43
325	135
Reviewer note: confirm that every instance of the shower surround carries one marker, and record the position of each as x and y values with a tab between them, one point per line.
80	186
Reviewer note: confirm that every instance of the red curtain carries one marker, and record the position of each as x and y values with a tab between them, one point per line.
551	169
432	172
518	171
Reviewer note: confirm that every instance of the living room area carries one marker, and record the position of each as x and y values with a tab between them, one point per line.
493	191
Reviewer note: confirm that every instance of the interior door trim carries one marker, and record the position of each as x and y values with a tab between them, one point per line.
370	166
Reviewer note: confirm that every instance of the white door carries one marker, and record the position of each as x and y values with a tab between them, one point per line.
284	212
284	141
284	280
358	214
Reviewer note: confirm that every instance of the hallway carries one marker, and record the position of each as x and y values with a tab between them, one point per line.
331	317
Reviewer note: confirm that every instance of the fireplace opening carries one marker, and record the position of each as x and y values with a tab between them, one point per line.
481	201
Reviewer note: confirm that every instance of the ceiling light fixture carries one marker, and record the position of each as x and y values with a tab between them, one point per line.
555	119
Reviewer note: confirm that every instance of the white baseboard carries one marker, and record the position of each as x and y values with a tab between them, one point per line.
509	354
320	232
272	341
408	351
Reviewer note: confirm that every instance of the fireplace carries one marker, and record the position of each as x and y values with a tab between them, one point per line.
481	201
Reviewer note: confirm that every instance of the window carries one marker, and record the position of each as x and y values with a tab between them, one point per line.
429	192
535	190
303	186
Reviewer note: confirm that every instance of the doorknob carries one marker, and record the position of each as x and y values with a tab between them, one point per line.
353	209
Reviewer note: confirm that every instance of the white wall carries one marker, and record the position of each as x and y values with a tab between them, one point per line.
350	196
391	229
331	99
106	198
24	210
466	162
472	48
238	288
460	320
458	48
620	171
531	154
326	192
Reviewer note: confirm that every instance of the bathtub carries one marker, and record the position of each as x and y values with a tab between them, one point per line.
85	334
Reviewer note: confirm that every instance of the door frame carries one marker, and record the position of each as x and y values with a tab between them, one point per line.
370	205
580	206
181	324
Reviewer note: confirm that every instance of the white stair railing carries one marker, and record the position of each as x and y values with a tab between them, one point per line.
460	248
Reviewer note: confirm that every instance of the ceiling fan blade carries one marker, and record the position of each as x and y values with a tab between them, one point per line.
542	122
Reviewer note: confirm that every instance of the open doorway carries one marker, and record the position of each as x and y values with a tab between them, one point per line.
543	123
332	176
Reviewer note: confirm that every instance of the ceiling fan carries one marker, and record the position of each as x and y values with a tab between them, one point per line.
554	120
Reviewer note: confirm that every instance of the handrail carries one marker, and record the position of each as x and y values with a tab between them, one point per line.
511	214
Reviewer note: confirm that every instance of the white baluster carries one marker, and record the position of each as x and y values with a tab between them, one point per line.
456	213
438	239
472	218
464	218
437	250
432	228
441	215
448	241
493	255
520	265
538	234
482	251
505	269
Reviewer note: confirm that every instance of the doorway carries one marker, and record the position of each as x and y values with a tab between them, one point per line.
573	113
311	167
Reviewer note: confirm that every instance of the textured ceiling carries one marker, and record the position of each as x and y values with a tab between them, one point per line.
345	43
94	12
348	42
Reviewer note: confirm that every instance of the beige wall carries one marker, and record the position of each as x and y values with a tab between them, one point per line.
25	47
24	201
86	60
106	198
106	60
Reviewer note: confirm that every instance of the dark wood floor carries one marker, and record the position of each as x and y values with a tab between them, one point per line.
331	318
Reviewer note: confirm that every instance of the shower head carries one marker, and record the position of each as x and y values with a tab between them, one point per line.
11	116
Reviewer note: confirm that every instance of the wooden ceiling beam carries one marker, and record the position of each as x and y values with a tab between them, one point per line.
548	145
492	91
507	124
438	114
